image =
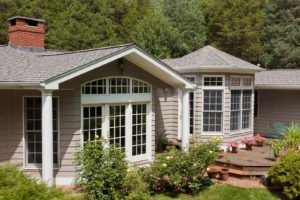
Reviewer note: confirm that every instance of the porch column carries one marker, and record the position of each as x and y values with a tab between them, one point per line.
185	119
47	137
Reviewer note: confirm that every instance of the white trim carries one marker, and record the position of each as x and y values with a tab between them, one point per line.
194	100
217	69
114	98
64	181
186	119
277	87
54	82
213	87
128	131
47	137
179	114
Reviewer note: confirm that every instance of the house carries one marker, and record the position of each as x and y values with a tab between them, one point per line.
277	100
53	101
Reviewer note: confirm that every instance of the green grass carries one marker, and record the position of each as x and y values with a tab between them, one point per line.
225	192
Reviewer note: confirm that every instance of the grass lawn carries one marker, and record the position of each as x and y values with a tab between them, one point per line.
225	192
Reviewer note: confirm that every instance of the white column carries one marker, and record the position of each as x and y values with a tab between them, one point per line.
47	137
128	131
185	119
105	124
179	114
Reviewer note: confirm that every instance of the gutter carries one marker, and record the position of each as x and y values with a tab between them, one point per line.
277	87
221	69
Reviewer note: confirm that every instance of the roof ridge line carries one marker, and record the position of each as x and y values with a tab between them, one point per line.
86	50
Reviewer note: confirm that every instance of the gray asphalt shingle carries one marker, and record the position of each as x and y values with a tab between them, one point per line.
280	77
20	66
209	56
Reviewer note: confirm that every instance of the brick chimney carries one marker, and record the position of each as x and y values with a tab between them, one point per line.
26	32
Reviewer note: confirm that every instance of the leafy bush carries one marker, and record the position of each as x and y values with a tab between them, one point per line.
182	171
15	185
286	173
102	171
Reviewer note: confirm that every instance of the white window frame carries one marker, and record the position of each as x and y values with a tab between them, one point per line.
194	98
27	166
242	88
221	88
105	100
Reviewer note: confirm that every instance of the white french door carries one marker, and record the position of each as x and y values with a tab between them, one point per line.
127	126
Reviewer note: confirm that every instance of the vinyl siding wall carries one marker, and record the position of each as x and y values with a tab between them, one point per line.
276	106
164	105
198	113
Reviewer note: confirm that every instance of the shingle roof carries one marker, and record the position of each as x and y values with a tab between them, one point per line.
280	77
209	56
20	66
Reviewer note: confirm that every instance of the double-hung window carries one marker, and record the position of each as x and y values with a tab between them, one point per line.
241	103
213	104
192	78
33	131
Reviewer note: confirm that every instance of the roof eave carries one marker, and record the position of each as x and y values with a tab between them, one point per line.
222	69
21	85
276	87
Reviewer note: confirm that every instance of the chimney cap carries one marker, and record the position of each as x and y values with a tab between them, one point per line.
28	18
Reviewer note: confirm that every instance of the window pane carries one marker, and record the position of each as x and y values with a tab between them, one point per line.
139	129
235	81
212	121
213	81
33	129
94	87
117	125
246	119
247	94
92	123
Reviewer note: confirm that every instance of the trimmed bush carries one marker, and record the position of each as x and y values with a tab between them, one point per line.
182	172
15	185
101	171
286	173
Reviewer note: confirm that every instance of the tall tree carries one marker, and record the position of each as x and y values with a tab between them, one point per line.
155	34
235	26
188	18
282	34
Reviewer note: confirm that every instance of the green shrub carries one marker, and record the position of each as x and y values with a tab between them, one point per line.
15	185
102	171
286	173
180	171
291	137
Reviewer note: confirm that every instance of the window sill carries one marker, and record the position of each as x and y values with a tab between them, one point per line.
212	133
33	168
240	131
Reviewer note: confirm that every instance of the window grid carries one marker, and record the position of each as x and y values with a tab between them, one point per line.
95	87
92	123
140	87
247	81
240	105
116	85
235	81
235	110
139	115
117	125
33	130
213	110
213	81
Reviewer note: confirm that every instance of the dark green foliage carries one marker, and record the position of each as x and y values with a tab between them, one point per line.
101	171
181	171
286	174
282	34
235	26
15	185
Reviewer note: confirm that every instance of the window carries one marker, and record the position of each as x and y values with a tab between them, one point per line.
192	110
213	111
235	81
92	122
240	105
256	104
235	110
116	85
33	130
117	125
119	85
213	81
139	132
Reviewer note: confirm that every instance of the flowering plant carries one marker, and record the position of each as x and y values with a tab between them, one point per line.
259	138
247	140
232	144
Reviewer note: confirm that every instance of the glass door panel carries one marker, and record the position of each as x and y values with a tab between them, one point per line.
117	125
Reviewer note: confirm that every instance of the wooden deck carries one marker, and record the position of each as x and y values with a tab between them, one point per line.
248	163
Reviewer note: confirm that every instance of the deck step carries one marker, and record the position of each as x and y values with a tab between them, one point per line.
241	173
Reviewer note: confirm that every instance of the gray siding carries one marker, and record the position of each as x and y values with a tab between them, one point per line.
11	119
276	106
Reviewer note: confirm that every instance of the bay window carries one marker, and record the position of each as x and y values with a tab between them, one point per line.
241	103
